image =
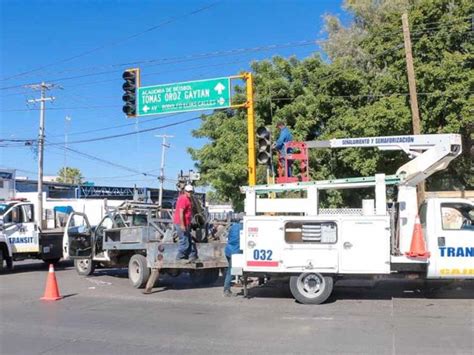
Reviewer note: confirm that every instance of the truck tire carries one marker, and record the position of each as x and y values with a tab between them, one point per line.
84	267
311	287
204	277
2	259
138	271
5	259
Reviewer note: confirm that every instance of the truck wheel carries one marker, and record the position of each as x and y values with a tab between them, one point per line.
5	259
84	267
2	258
204	277
138	271
311	288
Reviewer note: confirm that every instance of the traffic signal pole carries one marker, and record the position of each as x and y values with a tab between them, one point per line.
252	165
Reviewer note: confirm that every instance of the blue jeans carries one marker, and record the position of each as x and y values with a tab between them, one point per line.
228	275
186	244
288	166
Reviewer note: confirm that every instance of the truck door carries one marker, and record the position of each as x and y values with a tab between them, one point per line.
20	229
78	237
453	232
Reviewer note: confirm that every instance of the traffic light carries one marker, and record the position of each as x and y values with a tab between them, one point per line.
264	152
132	82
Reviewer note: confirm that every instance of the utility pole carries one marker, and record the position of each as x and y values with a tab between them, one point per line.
411	76
413	97
42	87
164	145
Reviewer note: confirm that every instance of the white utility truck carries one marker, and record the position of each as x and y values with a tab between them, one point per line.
314	247
21	238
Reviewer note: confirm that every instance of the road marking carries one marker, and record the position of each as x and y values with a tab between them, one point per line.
99	282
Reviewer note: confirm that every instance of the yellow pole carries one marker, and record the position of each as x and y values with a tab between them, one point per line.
252	165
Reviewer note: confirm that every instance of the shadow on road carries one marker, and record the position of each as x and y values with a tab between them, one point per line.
183	281
36	265
383	290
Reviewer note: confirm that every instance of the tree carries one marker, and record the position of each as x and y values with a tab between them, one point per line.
362	91
70	175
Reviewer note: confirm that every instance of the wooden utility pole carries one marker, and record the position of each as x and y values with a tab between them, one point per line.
413	97
411	76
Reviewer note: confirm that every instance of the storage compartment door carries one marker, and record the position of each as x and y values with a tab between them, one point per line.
365	247
77	240
264	239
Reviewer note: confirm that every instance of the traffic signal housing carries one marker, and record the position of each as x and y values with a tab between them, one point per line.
132	82
264	150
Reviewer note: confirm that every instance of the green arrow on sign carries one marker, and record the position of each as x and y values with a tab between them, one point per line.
207	94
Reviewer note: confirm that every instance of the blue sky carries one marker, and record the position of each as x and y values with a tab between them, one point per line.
46	34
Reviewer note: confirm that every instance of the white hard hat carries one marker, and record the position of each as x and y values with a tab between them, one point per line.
189	188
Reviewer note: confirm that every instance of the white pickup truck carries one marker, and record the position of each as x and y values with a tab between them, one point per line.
20	237
290	237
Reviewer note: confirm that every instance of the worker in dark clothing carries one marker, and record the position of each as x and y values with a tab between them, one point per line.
232	247
284	137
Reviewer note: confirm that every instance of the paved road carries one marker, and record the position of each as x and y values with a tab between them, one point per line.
104	315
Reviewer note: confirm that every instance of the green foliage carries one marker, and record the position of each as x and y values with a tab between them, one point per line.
362	91
70	175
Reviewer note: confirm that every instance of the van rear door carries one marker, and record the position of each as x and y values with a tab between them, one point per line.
78	237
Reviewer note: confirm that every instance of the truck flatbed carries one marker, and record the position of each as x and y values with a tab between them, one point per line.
178	264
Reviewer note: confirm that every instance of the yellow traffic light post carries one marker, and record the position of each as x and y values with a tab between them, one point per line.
252	165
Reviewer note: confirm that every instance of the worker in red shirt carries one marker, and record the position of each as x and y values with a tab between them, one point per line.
182	221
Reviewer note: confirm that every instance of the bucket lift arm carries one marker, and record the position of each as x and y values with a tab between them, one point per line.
429	153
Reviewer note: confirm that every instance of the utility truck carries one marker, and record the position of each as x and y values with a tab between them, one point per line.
142	237
313	247
21	237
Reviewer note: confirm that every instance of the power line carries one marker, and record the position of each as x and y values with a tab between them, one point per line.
130	133
113	43
457	19
123	125
337	71
174	60
101	160
188	58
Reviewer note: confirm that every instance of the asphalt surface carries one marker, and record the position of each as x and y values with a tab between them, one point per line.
103	314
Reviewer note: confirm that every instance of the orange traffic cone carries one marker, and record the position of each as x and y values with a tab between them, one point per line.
418	247
51	293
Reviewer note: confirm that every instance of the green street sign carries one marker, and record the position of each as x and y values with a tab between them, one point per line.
180	97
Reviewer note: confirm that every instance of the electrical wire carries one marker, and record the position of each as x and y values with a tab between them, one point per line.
101	160
130	133
173	60
177	60
113	43
143	121
440	24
